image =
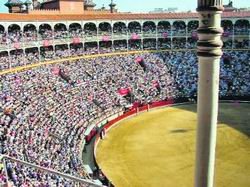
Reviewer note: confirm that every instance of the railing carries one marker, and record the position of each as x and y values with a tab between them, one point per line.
98	37
94	55
75	180
119	37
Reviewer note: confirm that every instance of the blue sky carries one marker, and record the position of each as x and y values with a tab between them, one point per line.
147	5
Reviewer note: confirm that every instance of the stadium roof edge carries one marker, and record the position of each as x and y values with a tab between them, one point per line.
114	16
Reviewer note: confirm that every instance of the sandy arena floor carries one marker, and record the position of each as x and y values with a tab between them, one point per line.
157	148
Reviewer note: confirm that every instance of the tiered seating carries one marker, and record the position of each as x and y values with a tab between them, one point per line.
44	115
44	112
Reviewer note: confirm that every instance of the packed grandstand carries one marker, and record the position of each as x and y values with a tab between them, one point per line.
60	77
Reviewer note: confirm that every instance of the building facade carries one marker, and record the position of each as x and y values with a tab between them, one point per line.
108	28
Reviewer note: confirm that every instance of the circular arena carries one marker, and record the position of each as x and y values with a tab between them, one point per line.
157	147
69	72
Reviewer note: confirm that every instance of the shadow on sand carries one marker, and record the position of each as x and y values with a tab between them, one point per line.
234	114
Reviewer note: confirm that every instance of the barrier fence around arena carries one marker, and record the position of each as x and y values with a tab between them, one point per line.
155	105
72	59
105	127
108	121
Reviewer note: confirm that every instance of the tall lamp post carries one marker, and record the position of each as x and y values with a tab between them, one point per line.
209	53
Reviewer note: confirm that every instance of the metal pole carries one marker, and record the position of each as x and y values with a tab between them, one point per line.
209	53
5	169
51	171
233	38
249	39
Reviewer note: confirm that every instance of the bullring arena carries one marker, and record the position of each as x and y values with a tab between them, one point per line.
70	72
157	148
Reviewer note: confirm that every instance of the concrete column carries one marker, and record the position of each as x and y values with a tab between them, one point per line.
24	56
233	38
171	35
127	44
249	39
186	35
209	53
98	40
39	53
112	38
156	36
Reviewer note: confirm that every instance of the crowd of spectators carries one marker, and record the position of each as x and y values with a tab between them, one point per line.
19	57
120	29
46	32
164	27
3	37
44	123
149	44
75	30
192	26
90	29
179	43
4	60
120	45
45	111
30	33
241	27
14	36
149	28
46	35
179	28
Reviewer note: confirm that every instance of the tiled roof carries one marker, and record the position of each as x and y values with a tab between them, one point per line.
114	16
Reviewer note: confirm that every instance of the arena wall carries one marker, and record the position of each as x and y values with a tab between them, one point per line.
107	125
